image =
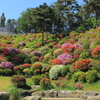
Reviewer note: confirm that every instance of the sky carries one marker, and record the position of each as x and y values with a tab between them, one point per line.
13	8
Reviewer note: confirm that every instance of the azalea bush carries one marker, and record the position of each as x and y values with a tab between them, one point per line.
55	71
18	81
45	83
82	64
7	65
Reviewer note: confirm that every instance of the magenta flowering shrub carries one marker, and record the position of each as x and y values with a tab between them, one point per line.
77	46
22	43
6	65
79	86
36	53
64	57
66	44
12	50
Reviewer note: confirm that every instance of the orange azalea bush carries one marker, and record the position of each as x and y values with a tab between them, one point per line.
96	52
82	64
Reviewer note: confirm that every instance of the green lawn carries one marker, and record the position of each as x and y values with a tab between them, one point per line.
5	82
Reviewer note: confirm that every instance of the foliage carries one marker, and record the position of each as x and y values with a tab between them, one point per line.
91	76
46	83
18	81
55	71
36	79
15	93
36	68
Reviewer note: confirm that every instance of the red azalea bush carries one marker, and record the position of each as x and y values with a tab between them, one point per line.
18	80
45	83
56	62
96	52
25	65
82	64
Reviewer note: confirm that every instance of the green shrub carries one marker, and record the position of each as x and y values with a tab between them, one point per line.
27	60
34	59
85	54
86	44
77	75
36	68
36	79
47	57
91	76
57	52
1	71
8	72
45	83
55	71
65	70
18	81
68	76
15	93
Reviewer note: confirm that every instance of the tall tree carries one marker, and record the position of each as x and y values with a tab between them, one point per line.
42	17
12	25
92	7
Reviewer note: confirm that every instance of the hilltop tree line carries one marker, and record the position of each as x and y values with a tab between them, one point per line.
62	16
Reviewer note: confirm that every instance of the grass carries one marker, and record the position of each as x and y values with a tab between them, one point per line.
5	82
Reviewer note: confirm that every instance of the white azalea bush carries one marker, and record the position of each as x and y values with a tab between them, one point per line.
55	71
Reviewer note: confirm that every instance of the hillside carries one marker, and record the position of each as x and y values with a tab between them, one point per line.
75	58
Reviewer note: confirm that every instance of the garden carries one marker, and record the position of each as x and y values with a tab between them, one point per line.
62	63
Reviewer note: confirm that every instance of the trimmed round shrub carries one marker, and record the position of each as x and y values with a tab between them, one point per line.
27	60
57	52
45	83
82	64
96	52
6	65
36	68
78	51
64	57
36	79
47	57
18	81
65	70
91	76
56	62
1	71
76	76
66	44
8	72
55	71
34	59
36	53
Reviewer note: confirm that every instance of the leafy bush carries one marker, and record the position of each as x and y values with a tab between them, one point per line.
56	62
15	93
55	71
79	86
76	76
36	68
45	83
1	71
65	70
82	64
18	81
57	52
8	72
47	57
36	79
78	51
34	59
64	57
91	76
6	65
36	53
